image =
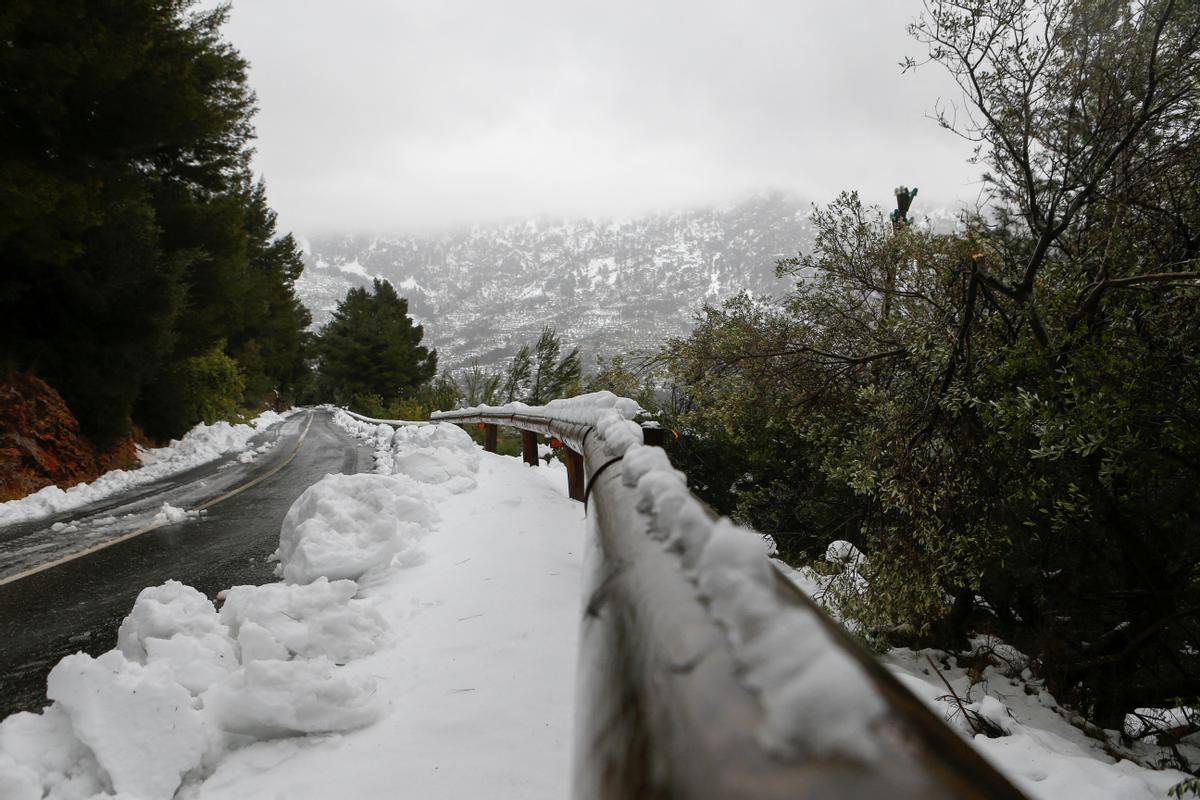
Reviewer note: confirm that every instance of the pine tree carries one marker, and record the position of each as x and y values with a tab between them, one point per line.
539	376
372	347
131	237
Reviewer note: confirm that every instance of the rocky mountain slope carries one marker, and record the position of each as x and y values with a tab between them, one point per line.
608	287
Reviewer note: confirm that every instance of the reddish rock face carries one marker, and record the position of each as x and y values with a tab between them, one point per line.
40	442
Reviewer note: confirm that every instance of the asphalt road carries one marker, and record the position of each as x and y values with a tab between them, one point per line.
79	603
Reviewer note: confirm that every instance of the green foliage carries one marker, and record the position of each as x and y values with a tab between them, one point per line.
372	348
551	376
1185	788
535	375
625	376
211	386
479	386
1012	411
131	238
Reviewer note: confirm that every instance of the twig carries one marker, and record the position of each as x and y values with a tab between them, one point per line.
954	694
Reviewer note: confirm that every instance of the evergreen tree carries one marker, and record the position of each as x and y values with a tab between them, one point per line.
516	377
479	386
372	347
538	376
552	377
131	238
239	292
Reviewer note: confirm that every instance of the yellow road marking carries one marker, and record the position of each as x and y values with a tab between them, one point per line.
124	537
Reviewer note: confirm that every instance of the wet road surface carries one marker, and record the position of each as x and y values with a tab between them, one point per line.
79	604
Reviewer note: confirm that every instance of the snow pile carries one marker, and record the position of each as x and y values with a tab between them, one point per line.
269	698
346	525
170	515
200	445
319	619
378	434
427	453
251	455
478	688
122	711
1040	750
204	443
437	454
186	684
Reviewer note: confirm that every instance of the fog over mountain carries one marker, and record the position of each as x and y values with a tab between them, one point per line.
607	286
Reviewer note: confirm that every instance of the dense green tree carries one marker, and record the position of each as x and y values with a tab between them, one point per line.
625	376
126	208
239	292
1007	413
372	347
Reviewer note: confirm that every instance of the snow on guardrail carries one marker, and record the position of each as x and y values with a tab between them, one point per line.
818	701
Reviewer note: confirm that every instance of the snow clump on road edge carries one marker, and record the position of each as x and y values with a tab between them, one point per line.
187	684
200	445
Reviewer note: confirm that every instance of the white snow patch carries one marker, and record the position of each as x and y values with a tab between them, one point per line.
269	698
200	445
170	515
321	618
345	525
140	725
354	268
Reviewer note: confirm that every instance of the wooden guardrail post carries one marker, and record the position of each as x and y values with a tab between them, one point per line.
529	447
575	475
489	437
653	435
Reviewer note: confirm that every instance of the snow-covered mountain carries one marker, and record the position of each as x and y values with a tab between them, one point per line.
608	287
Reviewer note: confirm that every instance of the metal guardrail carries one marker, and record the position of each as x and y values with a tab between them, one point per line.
663	711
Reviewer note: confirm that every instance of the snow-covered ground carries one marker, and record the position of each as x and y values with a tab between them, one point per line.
422	643
425	631
200	445
1033	739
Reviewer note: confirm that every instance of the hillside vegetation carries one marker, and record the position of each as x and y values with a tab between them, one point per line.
1004	419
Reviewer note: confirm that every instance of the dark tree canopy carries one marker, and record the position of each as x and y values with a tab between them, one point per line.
371	347
1004	418
131	235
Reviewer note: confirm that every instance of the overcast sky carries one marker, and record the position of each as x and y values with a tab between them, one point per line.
401	115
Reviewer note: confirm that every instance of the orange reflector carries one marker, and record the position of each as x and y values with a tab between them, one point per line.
555	441
482	425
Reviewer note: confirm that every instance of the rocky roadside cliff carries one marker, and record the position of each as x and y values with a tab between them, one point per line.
40	441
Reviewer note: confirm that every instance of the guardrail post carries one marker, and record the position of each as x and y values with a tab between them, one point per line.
489	437
653	435
529	448
575	487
